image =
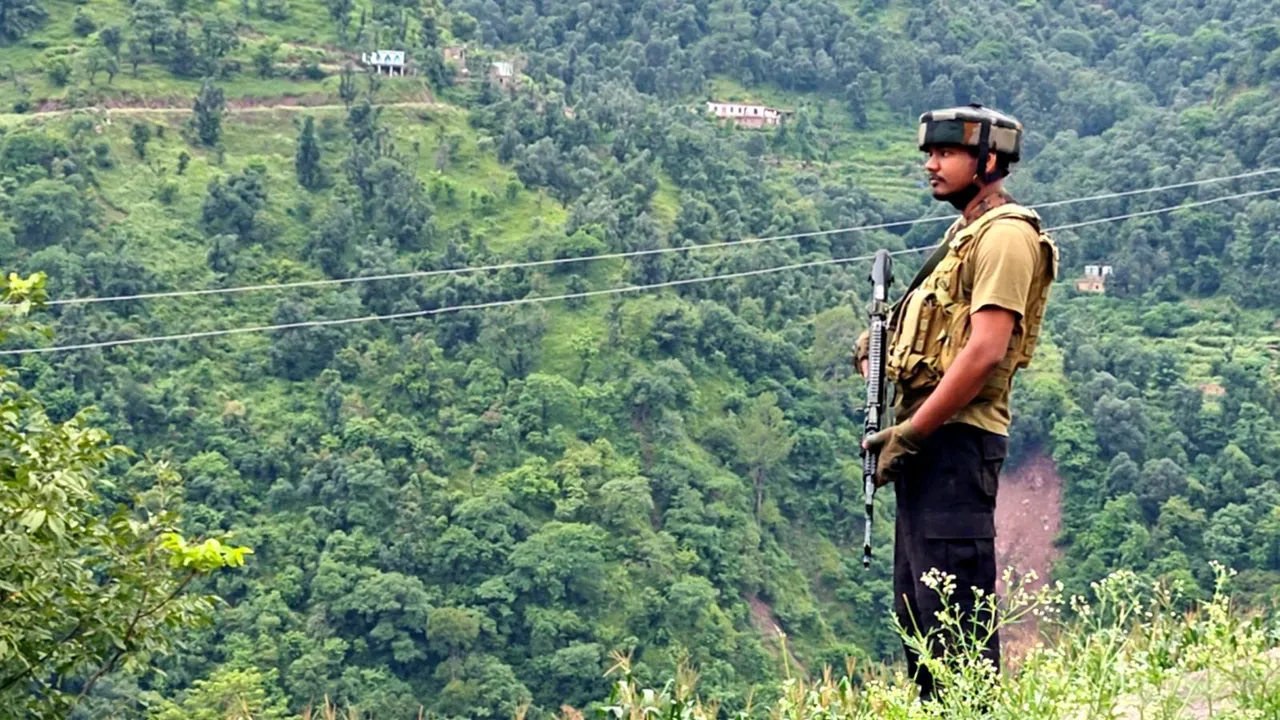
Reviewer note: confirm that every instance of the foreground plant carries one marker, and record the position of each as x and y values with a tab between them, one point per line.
86	586
1133	652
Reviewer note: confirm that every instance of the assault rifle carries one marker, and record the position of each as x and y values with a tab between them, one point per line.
878	407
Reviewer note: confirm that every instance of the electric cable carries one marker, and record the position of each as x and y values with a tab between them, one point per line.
570	296
619	255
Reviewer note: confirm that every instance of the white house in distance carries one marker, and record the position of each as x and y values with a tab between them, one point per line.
1095	279
390	62
502	73
746	114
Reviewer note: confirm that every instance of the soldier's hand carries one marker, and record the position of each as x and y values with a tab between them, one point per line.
861	349
896	445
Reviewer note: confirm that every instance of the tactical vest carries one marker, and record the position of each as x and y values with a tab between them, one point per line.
932	324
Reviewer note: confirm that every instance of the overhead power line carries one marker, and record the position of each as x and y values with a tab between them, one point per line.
412	274
488	268
1145	213
568	296
1143	191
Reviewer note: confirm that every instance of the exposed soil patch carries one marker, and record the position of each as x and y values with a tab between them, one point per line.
182	105
1028	518
767	625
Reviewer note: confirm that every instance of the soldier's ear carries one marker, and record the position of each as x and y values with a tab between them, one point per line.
991	164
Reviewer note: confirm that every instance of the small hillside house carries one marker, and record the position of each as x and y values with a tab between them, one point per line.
745	114
502	73
385	62
458	56
1095	279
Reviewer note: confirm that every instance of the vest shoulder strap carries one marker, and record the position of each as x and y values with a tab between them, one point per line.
1007	210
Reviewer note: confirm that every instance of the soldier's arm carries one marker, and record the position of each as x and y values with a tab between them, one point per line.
989	340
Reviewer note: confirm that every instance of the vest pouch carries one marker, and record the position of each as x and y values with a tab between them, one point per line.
955	337
908	362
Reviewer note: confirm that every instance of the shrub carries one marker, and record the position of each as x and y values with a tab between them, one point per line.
83	24
102	155
167	192
58	69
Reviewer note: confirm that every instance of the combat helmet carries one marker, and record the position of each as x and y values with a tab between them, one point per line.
974	126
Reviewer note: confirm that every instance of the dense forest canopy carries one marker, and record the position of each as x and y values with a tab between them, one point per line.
468	512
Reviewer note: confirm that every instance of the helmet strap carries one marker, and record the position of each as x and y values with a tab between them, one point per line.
984	152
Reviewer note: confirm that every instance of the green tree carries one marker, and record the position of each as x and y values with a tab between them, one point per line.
562	562
153	23
340	11
277	10
82	23
765	442
110	65
135	54
58	68
48	212
85	584
264	57
19	17
228	694
463	26
452	631
429	31
307	158
484	687
232	205
140	134
183	60
99	60
332	239
856	98
217	38
112	39
208	107
347	89
513	339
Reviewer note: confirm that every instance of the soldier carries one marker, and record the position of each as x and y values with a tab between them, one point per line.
970	319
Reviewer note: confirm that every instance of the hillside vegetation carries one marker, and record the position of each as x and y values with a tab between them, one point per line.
466	513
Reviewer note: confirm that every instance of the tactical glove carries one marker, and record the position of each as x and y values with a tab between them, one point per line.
861	351
897	446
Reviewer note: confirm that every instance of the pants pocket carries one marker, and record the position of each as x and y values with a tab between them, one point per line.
963	560
994	450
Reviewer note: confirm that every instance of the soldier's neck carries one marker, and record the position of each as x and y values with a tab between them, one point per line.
988	198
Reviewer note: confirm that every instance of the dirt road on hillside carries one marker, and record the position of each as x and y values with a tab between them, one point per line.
238	106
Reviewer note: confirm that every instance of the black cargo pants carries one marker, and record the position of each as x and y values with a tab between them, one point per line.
946	520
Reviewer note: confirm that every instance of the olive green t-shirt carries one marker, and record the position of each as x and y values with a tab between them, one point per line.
1000	272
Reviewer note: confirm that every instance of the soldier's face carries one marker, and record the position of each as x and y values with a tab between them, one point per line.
951	169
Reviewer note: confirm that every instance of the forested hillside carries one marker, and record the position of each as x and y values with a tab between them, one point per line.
466	511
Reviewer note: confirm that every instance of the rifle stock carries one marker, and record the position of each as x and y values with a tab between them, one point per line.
875	417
